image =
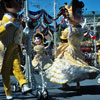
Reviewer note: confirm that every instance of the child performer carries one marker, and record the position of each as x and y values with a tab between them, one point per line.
41	59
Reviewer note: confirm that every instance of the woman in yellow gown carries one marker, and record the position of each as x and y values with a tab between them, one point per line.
69	66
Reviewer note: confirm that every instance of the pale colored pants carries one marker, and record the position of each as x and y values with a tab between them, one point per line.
11	65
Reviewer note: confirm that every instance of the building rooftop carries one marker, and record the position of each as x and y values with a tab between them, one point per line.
91	13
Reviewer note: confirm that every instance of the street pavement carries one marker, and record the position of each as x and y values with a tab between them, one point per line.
90	90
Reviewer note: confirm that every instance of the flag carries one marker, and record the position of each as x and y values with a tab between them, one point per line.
86	33
92	35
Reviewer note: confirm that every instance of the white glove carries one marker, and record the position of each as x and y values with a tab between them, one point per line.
84	24
26	30
9	23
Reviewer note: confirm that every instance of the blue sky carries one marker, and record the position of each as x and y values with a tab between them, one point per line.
92	5
35	5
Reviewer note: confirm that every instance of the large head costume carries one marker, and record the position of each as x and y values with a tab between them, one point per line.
73	11
38	36
11	6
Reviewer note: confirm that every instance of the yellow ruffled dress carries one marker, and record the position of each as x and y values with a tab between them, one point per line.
69	66
41	59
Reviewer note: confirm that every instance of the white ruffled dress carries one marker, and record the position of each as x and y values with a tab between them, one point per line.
69	66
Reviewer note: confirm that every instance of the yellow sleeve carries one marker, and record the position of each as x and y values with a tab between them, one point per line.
6	18
2	30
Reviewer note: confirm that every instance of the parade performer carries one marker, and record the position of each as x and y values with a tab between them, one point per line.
71	66
98	52
63	45
41	58
10	40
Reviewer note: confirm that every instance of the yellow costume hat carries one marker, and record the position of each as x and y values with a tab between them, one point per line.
64	34
38	34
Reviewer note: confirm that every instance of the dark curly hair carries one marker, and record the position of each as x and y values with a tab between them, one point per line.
76	4
38	35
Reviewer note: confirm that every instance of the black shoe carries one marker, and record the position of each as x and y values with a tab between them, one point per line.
65	86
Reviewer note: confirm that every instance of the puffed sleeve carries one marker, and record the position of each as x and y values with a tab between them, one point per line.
2	28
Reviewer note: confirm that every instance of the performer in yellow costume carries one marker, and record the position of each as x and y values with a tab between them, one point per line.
41	59
71	66
98	53
10	40
63	45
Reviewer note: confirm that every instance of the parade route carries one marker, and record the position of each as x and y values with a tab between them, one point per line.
46	44
90	90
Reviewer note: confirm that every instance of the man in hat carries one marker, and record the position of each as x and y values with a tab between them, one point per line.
10	40
63	45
